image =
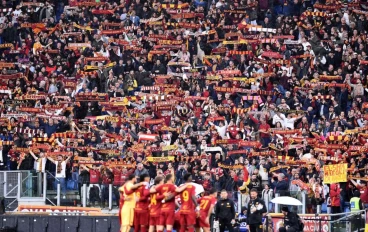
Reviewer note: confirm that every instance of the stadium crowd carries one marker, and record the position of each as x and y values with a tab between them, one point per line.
241	94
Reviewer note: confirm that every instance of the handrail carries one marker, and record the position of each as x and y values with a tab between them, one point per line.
30	174
27	189
6	194
347	216
14	171
50	201
52	175
336	214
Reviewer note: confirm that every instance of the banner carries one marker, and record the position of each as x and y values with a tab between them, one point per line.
56	209
235	166
335	173
311	222
160	159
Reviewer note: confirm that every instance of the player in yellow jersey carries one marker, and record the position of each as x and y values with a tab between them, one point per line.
127	210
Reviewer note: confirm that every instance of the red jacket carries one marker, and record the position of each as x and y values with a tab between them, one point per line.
364	195
335	195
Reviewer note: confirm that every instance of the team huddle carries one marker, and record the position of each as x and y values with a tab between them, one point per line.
154	207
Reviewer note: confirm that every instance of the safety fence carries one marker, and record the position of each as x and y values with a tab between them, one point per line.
349	221
310	205
16	185
344	222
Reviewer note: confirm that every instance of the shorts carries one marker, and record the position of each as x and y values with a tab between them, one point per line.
127	216
167	218
140	218
201	221
154	220
188	219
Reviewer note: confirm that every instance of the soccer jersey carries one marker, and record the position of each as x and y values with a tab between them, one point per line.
94	176
117	177
155	205
187	204
205	204
162	190
142	193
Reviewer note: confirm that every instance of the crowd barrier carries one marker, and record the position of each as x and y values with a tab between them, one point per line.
74	223
50	223
343	222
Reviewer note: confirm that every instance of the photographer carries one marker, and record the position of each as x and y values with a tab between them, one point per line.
242	220
292	221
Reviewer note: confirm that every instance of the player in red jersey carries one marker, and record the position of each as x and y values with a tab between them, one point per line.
167	215
188	206
155	205
141	208
206	205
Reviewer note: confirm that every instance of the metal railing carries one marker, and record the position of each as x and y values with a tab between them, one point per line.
15	185
341	222
10	188
348	221
241	199
111	193
27	184
50	184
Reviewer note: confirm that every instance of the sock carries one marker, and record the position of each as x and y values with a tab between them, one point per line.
143	229
191	229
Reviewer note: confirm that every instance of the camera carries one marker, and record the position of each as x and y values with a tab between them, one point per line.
240	222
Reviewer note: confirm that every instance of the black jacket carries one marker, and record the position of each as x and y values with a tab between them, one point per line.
225	209
256	208
292	220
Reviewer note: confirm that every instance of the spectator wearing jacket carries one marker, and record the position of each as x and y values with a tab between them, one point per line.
335	198
182	170
140	170
291	221
281	185
267	196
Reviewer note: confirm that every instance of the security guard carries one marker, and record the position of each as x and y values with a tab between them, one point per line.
225	213
356	202
356	205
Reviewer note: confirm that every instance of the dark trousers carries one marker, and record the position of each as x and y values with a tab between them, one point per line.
256	227
357	223
115	191
335	209
283	229
225	223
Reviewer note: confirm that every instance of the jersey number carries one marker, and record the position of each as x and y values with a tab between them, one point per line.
185	196
153	200
203	204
